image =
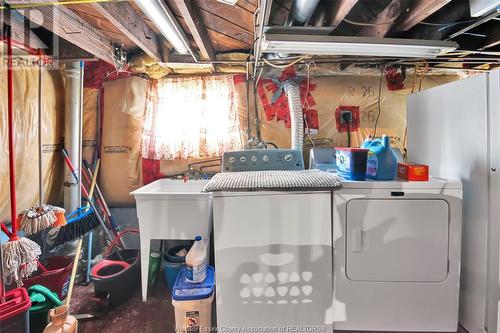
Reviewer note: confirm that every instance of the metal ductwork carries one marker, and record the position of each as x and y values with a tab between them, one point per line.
301	12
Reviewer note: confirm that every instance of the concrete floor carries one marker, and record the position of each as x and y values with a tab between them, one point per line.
155	316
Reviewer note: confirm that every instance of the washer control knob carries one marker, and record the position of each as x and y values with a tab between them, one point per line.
243	159
288	157
254	158
265	158
232	159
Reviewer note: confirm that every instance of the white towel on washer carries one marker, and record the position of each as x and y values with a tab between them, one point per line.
274	180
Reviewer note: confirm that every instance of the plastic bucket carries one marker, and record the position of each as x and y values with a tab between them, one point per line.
56	278
351	163
117	279
173	264
14	314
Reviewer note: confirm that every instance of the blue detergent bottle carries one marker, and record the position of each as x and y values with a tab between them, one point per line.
382	163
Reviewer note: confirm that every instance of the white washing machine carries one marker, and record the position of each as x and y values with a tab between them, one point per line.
397	255
273	259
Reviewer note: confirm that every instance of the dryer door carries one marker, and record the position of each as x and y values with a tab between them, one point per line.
397	240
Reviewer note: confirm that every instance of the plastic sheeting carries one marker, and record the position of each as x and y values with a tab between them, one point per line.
123	119
26	140
363	91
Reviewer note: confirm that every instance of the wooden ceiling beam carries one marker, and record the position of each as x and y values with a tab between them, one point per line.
492	40
22	34
192	16
123	16
456	11
386	19
62	22
336	11
420	10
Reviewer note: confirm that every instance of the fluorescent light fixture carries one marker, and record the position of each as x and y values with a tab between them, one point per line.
291	43
164	20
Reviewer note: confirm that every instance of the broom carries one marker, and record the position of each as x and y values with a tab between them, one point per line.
81	221
19	254
40	217
80	242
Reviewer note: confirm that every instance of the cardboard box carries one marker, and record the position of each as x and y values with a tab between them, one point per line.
413	172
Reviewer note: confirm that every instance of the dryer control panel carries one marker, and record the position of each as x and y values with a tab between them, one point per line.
262	160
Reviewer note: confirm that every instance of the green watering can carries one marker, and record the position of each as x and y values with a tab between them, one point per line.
42	300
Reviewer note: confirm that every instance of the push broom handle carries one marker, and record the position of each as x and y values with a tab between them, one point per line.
80	242
89	197
101	221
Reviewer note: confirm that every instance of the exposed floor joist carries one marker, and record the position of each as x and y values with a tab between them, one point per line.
420	10
337	11
126	19
192	16
492	40
386	19
23	36
64	23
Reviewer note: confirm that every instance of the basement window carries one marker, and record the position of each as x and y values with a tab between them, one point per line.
191	117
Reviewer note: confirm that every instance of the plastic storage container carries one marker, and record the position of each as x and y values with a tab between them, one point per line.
382	163
193	303
56	278
14	314
174	264
351	163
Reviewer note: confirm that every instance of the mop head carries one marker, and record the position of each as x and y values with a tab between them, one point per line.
81	222
36	219
20	259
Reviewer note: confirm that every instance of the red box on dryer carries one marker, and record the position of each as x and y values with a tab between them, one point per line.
413	172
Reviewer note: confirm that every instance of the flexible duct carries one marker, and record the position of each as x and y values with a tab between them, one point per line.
296	115
301	11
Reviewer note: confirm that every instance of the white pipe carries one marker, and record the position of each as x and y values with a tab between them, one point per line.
72	132
296	115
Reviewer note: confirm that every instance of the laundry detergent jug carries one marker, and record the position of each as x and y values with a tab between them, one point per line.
382	163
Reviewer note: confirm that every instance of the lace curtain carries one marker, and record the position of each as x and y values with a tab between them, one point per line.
191	117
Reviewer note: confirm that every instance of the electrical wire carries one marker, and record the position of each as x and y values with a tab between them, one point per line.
267	62
378	101
444	24
308	132
420	69
368	24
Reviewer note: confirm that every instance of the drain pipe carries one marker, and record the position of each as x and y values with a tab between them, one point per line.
73	74
296	115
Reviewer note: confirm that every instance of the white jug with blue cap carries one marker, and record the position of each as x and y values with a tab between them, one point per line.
197	261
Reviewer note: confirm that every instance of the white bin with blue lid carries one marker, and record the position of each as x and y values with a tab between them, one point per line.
193	303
